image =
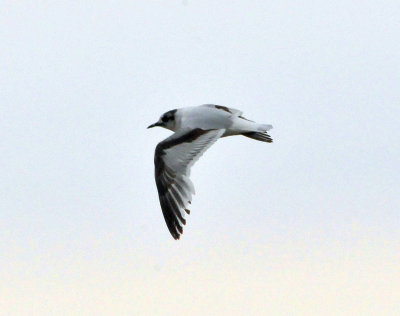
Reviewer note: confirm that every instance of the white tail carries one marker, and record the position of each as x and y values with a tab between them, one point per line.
264	127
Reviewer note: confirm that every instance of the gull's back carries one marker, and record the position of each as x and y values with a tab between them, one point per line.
210	116
204	117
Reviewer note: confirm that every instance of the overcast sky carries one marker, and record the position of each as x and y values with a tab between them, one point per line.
307	225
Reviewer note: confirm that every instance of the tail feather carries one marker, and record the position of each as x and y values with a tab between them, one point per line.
264	127
262	137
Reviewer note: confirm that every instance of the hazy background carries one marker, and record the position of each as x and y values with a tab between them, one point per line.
308	225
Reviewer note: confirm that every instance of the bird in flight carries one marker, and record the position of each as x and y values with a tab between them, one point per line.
196	129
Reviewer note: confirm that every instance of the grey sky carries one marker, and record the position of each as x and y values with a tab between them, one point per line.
81	81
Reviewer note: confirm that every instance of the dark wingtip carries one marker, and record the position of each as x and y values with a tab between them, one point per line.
180	229
175	234
187	211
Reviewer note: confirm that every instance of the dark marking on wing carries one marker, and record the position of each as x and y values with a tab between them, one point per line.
223	108
186	138
243	118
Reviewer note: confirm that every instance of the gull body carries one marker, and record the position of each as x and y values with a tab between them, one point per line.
207	117
196	129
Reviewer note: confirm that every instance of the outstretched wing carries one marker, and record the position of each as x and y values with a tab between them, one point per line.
173	159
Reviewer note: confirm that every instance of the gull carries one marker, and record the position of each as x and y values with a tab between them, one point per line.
196	129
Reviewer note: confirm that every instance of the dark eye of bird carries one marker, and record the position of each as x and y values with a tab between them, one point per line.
165	119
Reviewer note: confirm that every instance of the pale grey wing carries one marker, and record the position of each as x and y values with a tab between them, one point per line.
173	159
224	108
